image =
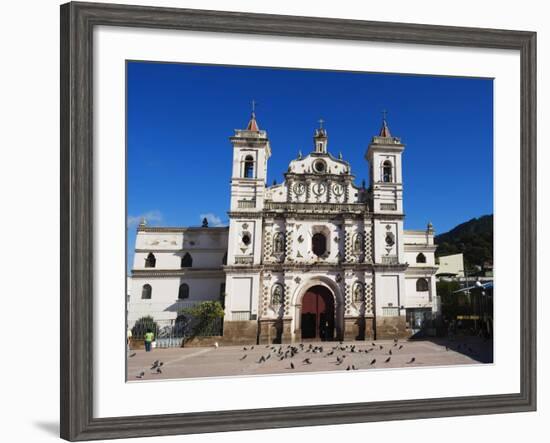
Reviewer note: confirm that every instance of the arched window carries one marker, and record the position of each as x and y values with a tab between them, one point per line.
249	167
150	261
421	258
319	242
187	260
358	292
277	294
422	285
279	243
183	292
358	243
146	292
387	176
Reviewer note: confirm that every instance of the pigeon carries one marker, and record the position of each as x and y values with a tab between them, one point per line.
373	344
266	346
307	361
389	352
268	357
381	347
353	367
339	360
262	359
243	357
412	360
291	365
245	348
329	354
400	346
216	345
160	364
155	364
348	368
132	354
373	361
158	371
141	374
252	348
387	360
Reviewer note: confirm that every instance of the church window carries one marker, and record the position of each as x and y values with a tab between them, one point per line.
150	261
249	167
387	172
319	166
246	239
358	243
146	291
187	261
183	292
421	258
358	292
319	242
279	243
422	285
277	294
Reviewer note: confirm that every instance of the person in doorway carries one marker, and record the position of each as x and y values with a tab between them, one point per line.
128	339
149	337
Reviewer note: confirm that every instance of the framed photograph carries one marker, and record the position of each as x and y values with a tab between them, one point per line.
274	221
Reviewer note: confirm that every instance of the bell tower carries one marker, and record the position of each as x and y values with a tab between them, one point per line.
251	150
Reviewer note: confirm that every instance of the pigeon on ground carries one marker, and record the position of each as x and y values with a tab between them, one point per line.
268	357
387	360
389	352
373	361
216	345
155	364
291	365
339	360
158	371
245	348
348	368
373	344
243	357
329	354
141	374
307	361
262	359
381	347
400	346
412	360
252	348
353	367
133	354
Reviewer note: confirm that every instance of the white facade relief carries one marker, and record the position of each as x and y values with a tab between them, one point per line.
313	257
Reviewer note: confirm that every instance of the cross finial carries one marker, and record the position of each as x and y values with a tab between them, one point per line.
254	103
321	121
384	114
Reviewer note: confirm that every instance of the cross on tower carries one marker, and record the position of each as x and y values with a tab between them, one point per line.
254	103
384	114
321	121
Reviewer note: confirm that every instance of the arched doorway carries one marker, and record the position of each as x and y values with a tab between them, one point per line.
317	316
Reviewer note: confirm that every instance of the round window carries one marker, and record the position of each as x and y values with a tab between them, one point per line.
319	166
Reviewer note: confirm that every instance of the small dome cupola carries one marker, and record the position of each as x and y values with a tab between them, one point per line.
320	139
253	124
385	130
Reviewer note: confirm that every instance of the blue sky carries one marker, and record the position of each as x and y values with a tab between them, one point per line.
180	118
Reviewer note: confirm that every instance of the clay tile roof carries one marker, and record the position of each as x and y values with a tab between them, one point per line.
385	130
253	124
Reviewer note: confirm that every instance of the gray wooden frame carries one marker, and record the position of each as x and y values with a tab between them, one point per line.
77	24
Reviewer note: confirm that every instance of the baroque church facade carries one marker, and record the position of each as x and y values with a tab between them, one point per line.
315	257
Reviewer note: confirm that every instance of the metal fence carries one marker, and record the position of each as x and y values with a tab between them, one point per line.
170	333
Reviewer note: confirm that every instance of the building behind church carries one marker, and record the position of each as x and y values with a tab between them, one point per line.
315	257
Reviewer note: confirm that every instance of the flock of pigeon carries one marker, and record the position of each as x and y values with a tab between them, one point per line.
339	352
155	369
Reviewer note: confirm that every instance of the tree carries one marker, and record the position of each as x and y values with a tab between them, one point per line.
205	317
142	325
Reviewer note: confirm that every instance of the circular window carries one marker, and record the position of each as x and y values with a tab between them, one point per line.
319	166
246	238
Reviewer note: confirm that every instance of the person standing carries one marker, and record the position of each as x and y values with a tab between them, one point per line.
149	337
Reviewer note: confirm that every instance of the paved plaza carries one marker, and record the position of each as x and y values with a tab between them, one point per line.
192	362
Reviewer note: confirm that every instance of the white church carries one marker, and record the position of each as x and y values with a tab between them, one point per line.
316	257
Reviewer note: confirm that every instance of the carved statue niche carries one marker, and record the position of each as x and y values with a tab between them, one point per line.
277	295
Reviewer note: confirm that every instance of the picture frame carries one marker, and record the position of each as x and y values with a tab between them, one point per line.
77	219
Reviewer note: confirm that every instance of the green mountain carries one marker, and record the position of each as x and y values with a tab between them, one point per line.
473	238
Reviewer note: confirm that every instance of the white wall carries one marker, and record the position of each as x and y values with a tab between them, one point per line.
30	174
